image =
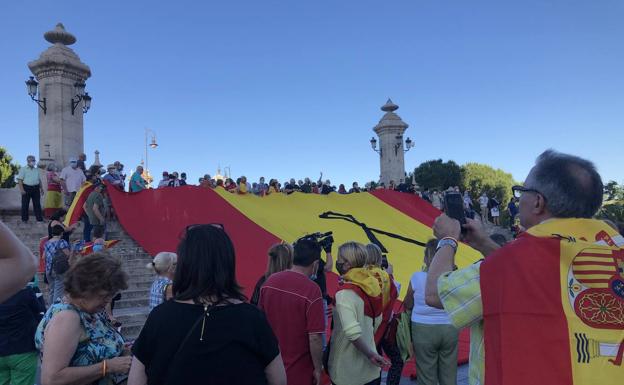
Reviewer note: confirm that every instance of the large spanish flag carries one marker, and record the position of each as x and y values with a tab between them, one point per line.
553	306
156	219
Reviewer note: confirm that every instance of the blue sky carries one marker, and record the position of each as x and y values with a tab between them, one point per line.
292	88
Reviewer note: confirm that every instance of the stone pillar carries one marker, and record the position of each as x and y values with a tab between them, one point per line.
61	133
390	131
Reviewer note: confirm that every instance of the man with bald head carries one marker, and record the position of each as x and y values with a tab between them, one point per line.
557	201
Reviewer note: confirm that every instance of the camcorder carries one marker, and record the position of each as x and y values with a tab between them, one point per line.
325	240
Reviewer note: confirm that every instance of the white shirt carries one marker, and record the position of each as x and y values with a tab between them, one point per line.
73	177
483	200
421	312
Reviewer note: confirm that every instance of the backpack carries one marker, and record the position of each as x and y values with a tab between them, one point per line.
60	261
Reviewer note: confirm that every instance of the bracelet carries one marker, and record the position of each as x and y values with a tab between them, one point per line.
104	368
447	241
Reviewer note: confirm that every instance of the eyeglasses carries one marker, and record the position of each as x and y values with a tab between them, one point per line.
518	190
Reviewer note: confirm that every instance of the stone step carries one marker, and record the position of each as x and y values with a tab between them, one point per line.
135	293
131	314
131	302
133	285
136	263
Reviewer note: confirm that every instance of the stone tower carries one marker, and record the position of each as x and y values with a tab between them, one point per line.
58	71
390	131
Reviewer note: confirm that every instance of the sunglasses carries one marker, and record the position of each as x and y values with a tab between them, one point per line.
217	225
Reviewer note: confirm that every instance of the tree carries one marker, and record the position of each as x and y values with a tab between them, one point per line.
480	178
613	191
435	174
8	169
612	211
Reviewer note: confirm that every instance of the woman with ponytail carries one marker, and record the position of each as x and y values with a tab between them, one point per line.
280	259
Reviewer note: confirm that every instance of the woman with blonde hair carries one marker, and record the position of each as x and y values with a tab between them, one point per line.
164	265
353	357
280	259
389	289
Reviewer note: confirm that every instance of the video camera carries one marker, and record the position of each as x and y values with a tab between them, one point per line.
325	240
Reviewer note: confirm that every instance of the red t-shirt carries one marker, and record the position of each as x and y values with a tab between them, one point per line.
294	307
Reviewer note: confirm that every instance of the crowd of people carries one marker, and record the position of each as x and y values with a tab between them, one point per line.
62	188
203	329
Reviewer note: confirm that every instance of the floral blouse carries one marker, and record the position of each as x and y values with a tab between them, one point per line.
99	340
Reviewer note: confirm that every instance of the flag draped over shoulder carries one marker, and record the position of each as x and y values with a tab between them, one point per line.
553	306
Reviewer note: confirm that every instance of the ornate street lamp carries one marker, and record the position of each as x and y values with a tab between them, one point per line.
81	96
408	144
373	143
32	87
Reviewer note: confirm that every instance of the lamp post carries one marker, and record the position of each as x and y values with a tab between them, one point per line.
81	96
408	144
152	145
33	89
373	143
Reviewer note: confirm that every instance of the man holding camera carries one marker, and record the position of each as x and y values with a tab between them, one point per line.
294	307
512	300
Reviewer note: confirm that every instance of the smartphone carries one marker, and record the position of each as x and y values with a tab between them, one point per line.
454	206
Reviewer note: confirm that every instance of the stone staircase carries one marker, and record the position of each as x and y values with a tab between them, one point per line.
132	309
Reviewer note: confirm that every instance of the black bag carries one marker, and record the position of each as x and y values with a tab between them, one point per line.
60	262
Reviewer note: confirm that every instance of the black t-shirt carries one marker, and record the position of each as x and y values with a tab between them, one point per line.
292	187
306	188
320	277
19	317
255	297
237	345
326	189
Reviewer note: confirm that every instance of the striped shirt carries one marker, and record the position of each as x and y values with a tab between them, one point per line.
460	292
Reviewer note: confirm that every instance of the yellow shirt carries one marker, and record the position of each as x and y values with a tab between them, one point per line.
347	365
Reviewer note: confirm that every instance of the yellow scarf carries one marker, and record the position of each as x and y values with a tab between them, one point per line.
365	280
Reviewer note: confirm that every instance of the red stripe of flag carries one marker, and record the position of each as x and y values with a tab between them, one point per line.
157	229
594	280
587	263
409	204
596	272
595	255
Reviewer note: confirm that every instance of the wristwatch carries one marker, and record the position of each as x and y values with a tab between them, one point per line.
447	242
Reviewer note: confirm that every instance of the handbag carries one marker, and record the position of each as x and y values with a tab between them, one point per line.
60	261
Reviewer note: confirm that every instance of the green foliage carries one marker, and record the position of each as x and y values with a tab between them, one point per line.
8	169
479	178
613	211
613	191
435	174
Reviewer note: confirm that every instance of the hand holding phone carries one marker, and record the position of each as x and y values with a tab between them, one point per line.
454	207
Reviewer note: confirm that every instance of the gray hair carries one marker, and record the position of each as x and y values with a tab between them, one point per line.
571	185
51	167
